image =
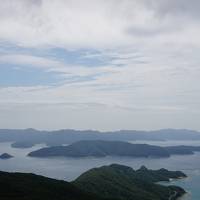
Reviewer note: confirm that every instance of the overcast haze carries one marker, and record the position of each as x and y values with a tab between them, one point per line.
100	64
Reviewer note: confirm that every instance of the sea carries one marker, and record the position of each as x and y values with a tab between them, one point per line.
70	168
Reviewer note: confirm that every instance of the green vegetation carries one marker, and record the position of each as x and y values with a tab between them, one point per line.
20	186
123	183
114	182
158	175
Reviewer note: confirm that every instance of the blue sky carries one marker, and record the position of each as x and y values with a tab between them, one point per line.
96	64
27	74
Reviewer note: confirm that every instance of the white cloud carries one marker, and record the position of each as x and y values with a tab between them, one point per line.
151	75
30	61
98	23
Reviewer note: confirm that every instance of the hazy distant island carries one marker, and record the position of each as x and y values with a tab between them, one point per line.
101	148
182	149
5	156
21	137
104	183
22	144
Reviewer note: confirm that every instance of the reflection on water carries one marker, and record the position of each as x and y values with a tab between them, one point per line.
70	168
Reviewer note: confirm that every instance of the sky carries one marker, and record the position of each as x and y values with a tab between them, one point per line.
100	64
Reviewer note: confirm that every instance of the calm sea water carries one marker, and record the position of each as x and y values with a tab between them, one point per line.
70	168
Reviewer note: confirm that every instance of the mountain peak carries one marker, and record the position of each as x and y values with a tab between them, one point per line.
143	168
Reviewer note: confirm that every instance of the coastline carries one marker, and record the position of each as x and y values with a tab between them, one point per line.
186	196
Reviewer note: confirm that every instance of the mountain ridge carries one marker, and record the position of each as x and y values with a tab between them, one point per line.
68	136
122	182
123	179
102	148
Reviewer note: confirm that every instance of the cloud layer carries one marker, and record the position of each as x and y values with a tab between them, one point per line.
101	24
130	64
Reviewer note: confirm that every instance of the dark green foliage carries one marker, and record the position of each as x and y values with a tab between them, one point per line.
158	175
114	182
19	186
123	183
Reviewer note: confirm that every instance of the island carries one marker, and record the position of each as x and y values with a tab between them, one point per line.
101	148
182	149
69	136
22	144
111	182
5	156
122	182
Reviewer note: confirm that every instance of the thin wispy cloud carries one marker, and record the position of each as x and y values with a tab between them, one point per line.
137	58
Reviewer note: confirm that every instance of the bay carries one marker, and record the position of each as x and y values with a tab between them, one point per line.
70	168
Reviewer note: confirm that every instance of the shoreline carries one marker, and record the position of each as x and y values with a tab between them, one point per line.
185	196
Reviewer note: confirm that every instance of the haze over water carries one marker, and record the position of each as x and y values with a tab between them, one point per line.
100	65
70	168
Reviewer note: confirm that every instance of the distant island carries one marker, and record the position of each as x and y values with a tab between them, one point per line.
5	156
100	148
113	182
69	136
22	144
182	149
